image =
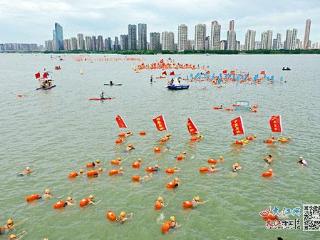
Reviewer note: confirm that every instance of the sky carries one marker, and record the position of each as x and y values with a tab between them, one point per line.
32	21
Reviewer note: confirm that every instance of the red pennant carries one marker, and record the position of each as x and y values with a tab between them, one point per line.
237	126
160	123
192	128
275	123
120	122
37	75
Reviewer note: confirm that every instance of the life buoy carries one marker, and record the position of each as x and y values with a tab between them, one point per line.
170	170
73	175
114	172
157	149
111	216
92	173
158	205
267	174
136	164
59	205
212	161
84	202
203	169
33	197
142	133
90	165
187	204
165	227
136	178
116	162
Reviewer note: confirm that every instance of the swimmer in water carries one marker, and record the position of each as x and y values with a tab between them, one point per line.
47	194
70	201
236	167
9	225
197	201
123	217
268	159
302	162
130	147
26	171
91	199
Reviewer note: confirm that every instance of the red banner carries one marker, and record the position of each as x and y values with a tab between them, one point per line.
120	122
45	75
160	123
164	73
237	126
192	128
37	75
172	73
275	123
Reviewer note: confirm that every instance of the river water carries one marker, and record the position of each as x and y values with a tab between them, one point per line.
59	131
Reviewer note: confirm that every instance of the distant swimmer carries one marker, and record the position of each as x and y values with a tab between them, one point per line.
302	162
130	147
10	224
159	204
91	200
70	201
47	194
26	171
268	159
123	217
236	167
168	225
197	201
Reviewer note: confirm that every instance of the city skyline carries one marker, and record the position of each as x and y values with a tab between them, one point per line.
28	21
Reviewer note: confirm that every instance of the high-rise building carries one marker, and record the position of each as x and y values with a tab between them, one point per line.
132	37
80	41
48	45
74	43
223	45
67	44
207	43
58	37
168	41
124	42
100	46
116	44
231	37
155	41
200	36
182	37
142	36
88	43
215	36
250	40
277	42
257	45
307	34
108	44
94	43
266	40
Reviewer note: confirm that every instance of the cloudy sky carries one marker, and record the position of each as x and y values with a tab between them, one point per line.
33	20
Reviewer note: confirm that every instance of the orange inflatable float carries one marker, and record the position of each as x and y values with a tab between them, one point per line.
92	174
187	204
91	165
204	170
142	133
269	141
84	202
136	178
111	216
59	205
180	157
73	175
114	172
119	141
165	227
136	164
173	184
158	205
170	170
212	161
151	169
116	162
33	197
122	134
157	149
267	174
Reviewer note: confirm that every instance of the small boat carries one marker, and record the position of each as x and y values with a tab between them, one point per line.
178	87
286	69
100	99
113	84
45	88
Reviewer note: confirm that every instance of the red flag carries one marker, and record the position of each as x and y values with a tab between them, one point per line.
164	73
172	73
192	128
45	75
160	123
120	122
237	126
224	71
275	123
37	75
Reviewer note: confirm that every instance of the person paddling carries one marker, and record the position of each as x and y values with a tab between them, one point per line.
111	83
102	95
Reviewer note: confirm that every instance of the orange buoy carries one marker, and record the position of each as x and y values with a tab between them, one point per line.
116	162
151	169
111	216
268	141
73	175
136	164
90	165
84	202
114	172
92	173
194	138
172	185
187	204
156	149
203	169
267	173
59	205
250	138
136	178
33	197
180	157
119	141
158	205
165	227
142	133
237	142
122	134
170	170
212	161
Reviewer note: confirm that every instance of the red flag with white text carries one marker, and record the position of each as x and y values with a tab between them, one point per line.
275	123
120	122
160	123
192	128
237	126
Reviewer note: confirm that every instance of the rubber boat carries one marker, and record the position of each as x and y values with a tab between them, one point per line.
177	87
100	99
46	88
114	84
286	69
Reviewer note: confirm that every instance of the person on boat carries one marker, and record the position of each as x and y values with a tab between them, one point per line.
47	194
302	162
70	201
179	80
123	217
111	83
171	82
268	159
236	167
102	95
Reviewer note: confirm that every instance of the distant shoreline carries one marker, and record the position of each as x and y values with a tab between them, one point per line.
189	52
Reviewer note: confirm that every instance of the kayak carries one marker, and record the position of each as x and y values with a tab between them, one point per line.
115	84
41	88
177	87
100	99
